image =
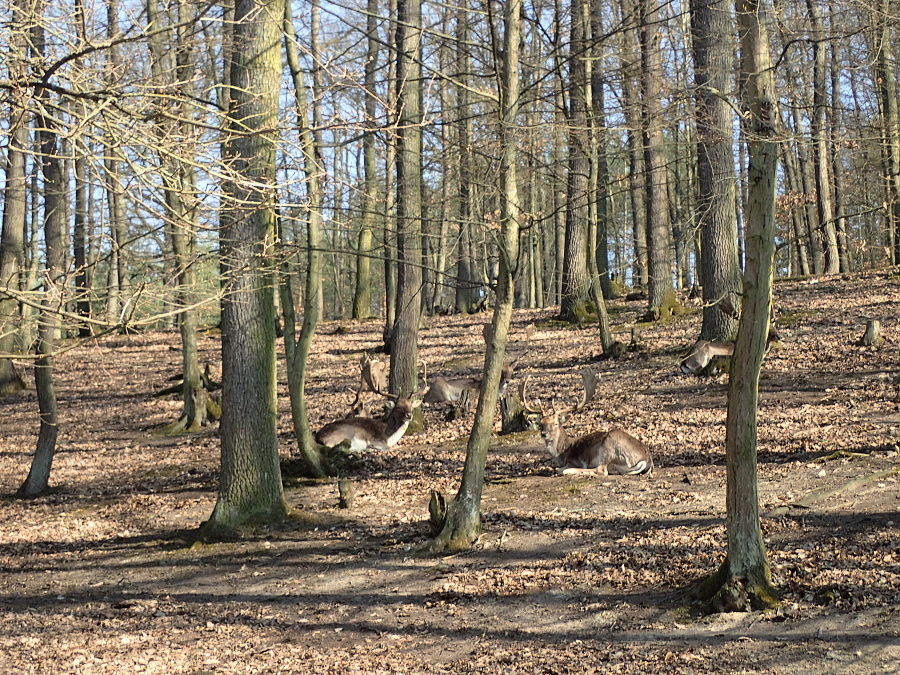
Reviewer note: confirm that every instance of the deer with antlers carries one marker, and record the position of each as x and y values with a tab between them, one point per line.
364	433
600	452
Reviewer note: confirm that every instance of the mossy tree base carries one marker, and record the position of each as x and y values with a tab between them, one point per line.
457	527
724	591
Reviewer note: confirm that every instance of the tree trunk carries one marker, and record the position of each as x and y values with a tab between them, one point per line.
297	352
365	243
175	138
712	29
38	478
661	293
824	205
405	337
744	580
467	279
15	206
632	113
576	280
462	520
886	77
250	485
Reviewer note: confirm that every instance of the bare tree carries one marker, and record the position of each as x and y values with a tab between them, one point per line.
713	43
744	579
661	292
461	524
250	485
404	341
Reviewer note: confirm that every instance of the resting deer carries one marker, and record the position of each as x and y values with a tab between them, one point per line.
702	353
365	432
443	390
600	452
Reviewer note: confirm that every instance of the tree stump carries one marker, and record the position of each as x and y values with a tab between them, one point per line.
872	337
346	493
514	418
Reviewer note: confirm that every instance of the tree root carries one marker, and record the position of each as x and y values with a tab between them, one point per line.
724	591
459	529
838	454
818	495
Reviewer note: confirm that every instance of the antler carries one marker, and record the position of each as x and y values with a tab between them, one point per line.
589	379
528	408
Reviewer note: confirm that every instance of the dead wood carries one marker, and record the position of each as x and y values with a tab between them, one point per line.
819	495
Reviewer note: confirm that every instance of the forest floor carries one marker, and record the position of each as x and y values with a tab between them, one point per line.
572	574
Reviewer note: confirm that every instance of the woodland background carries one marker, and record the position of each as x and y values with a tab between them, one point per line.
260	166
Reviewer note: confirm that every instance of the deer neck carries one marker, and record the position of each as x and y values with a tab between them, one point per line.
395	426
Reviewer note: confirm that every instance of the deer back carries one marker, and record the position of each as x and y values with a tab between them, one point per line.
702	353
443	390
607	452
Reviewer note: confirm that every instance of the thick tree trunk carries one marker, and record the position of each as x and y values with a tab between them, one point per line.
576	280
405	337
713	41
250	485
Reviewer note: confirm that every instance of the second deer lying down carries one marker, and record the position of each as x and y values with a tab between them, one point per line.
600	452
444	390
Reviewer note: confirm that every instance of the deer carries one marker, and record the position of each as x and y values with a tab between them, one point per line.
702	353
363	432
450	390
444	390
373	376
600	452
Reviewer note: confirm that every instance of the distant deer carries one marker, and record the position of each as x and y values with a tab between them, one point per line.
702	353
449	390
373	376
600	452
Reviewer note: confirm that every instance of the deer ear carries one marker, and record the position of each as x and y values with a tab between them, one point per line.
416	403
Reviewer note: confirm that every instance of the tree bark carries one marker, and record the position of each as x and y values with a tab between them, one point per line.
659	250
713	42
250	485
365	243
824	204
744	579
15	204
38	478
405	335
297	349
576	280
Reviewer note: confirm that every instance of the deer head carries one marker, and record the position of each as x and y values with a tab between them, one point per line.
552	431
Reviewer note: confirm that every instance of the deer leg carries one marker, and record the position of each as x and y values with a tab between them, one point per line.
571	471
